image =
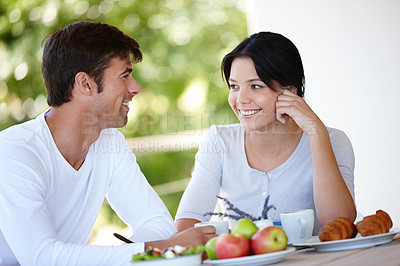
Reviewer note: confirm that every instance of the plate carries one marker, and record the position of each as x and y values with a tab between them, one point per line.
345	244
187	260
254	260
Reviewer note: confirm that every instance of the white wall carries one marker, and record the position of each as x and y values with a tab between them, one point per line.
351	55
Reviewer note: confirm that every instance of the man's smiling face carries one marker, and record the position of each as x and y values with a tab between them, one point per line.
118	89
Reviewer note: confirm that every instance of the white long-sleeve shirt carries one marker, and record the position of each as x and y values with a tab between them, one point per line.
221	169
48	209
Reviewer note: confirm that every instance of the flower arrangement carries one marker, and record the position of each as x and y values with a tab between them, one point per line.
241	214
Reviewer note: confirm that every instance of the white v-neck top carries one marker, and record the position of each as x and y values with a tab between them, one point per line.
48	209
221	169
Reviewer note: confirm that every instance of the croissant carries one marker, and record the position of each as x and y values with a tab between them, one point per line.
378	223
337	229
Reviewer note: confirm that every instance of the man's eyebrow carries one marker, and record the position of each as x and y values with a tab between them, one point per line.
127	70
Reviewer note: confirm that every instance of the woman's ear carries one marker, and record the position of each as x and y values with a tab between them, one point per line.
293	89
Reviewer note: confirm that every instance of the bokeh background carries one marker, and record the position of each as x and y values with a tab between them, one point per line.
183	42
349	50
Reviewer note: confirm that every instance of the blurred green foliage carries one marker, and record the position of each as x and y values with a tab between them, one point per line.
174	166
183	43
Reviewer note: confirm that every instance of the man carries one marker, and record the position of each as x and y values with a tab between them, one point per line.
56	170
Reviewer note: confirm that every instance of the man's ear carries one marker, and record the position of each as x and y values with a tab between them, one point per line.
84	83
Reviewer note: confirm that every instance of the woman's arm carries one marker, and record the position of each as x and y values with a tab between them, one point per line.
190	237
185	223
200	195
331	195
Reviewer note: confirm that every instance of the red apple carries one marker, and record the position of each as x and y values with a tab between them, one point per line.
268	239
232	246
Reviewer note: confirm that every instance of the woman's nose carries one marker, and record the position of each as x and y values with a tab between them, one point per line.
243	97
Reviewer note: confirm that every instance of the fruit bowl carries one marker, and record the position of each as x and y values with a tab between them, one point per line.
187	260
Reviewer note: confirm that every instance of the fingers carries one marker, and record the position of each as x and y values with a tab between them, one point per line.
287	105
283	105
200	235
207	232
288	91
287	95
194	236
207	229
283	118
208	237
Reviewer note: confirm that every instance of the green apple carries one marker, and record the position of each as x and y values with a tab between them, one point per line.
210	248
269	239
244	227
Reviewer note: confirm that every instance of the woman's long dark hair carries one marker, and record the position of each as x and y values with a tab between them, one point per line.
275	58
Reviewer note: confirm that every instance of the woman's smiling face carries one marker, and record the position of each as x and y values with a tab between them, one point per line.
251	100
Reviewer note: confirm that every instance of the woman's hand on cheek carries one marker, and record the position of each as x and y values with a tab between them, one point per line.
283	118
290	105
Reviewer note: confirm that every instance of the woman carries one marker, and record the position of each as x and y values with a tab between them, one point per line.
281	153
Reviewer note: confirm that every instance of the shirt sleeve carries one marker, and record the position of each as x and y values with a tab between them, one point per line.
344	154
200	196
26	224
136	202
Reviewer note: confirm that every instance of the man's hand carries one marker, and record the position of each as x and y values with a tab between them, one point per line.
191	237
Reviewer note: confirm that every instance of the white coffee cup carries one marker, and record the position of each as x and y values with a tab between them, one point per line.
221	227
264	223
298	225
